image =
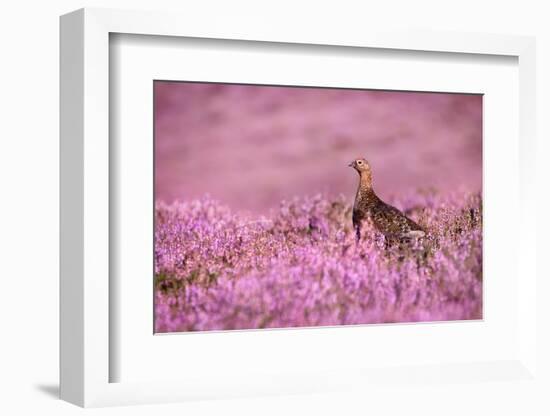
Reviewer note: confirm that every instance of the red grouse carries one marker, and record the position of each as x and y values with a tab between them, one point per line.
385	218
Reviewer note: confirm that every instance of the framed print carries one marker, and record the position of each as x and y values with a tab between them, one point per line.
291	211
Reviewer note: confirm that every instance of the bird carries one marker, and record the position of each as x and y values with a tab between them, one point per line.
385	218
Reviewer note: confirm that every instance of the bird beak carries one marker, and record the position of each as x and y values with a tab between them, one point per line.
350	165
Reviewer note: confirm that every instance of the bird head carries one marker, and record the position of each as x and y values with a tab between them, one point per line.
360	165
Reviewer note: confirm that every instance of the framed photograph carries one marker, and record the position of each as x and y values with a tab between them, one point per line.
248	210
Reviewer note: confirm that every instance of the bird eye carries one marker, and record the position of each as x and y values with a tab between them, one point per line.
359	162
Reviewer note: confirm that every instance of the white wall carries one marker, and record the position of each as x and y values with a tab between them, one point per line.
29	178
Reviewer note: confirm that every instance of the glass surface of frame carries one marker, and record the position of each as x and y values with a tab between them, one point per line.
139	62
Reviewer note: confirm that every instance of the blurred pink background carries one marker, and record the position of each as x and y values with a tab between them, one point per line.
252	146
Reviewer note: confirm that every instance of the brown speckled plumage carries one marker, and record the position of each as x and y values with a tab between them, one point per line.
369	207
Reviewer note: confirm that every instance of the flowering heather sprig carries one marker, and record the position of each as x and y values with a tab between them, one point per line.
215	270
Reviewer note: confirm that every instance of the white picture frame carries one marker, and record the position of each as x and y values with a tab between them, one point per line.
86	356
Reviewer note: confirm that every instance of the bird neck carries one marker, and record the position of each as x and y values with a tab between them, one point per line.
365	182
